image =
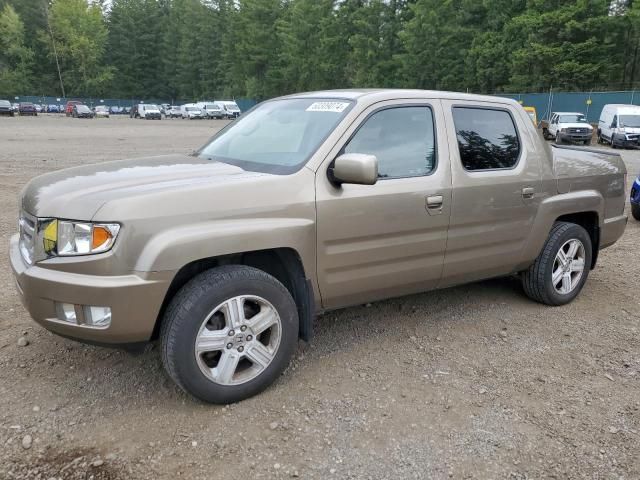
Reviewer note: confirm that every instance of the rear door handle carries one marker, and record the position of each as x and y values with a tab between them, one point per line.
528	192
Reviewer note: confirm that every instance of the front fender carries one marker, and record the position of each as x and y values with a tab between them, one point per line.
175	247
553	207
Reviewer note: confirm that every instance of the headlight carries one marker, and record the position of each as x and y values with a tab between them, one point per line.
65	238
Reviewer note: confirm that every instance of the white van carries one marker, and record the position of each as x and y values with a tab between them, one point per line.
619	125
231	109
191	111
211	110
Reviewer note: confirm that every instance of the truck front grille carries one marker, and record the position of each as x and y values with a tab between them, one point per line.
28	230
578	130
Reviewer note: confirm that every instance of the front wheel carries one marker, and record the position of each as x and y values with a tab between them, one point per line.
558	139
635	211
229	333
560	271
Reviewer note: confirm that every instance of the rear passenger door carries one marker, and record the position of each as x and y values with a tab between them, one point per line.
496	190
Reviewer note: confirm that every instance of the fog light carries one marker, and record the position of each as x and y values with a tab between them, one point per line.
66	312
97	316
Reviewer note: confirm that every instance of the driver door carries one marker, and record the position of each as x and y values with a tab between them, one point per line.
388	239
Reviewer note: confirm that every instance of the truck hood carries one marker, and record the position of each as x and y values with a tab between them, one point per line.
78	193
575	125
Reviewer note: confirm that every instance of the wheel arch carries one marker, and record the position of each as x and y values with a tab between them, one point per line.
284	264
584	208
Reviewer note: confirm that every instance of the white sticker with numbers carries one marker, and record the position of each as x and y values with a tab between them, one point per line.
335	107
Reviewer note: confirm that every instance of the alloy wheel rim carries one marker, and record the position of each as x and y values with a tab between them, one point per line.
238	340
568	266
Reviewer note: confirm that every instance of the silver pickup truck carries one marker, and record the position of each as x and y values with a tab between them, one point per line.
308	203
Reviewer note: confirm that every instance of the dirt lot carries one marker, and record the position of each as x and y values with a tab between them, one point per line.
469	382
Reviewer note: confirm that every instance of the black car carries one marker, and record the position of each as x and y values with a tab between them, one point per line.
27	108
81	111
6	108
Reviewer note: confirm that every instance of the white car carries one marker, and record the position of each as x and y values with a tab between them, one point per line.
174	111
619	125
211	110
101	111
149	112
191	111
569	127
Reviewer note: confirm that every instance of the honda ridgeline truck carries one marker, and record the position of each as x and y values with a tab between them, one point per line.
309	203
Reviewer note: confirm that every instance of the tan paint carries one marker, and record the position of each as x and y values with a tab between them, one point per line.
357	243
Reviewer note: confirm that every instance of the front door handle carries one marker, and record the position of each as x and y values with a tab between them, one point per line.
528	192
434	201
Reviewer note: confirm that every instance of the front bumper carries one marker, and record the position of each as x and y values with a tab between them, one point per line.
135	299
576	137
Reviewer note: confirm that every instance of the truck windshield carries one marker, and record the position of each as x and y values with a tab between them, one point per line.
572	119
630	121
277	136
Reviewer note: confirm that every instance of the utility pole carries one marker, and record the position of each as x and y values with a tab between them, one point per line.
55	51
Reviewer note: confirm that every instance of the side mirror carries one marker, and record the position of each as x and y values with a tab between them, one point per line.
358	168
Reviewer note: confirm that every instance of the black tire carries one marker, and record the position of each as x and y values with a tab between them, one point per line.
558	140
635	211
613	141
536	280
191	306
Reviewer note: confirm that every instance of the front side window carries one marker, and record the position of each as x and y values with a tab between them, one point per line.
487	138
278	136
402	139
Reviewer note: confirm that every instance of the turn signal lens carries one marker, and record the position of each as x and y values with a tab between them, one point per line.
101	236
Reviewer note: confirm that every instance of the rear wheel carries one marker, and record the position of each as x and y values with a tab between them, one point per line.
635	211
229	333
560	271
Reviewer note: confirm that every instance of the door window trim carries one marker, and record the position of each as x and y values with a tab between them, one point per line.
515	125
429	105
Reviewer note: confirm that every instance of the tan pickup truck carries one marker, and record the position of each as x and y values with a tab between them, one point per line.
308	203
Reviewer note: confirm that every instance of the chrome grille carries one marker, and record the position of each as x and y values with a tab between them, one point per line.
578	130
28	232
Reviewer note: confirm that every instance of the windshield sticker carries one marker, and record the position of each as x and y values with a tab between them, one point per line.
335	107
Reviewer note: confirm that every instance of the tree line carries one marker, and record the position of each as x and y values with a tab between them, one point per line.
188	49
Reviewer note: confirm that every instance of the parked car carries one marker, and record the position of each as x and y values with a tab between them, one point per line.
308	203
16	107
230	108
6	108
635	198
570	127
101	111
81	111
619	125
164	109
149	112
211	110
68	109
191	112
38	108
53	109
27	108
174	112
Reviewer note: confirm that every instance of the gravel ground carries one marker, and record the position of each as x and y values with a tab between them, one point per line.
468	382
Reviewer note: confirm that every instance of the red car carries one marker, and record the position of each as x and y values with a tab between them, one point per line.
69	108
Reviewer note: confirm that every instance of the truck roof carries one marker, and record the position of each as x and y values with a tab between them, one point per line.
381	94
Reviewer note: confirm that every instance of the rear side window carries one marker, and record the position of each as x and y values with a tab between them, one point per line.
402	138
487	138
